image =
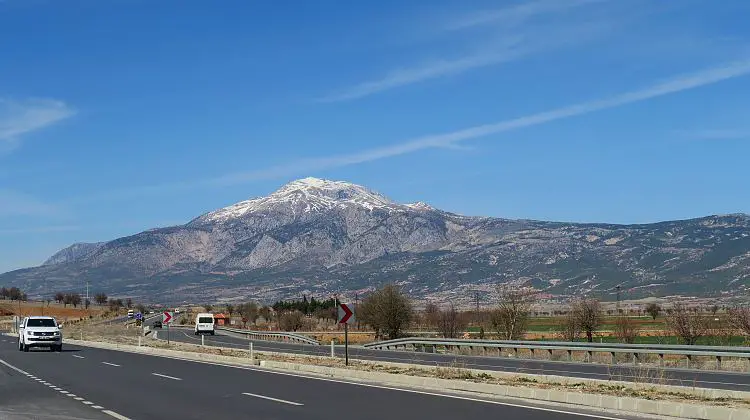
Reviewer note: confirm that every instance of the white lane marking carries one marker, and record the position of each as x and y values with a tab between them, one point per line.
115	415
87	402
80	357
166	376
79	399
72	395
412	391
65	392
98	407
56	388
111	364
271	399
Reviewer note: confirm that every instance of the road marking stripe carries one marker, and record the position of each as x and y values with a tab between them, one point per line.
115	415
87	402
72	395
79	399
98	407
56	388
412	391
80	357
111	364
271	399
64	392
166	376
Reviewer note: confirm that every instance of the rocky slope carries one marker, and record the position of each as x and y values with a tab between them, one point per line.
319	236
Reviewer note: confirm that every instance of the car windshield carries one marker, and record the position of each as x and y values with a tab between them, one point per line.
41	323
205	320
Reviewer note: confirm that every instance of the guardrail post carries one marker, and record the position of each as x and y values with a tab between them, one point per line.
434	348
661	359
614	360
550	354
635	359
570	355
589	355
718	362
515	352
484	351
532	353
688	360
333	349
203	340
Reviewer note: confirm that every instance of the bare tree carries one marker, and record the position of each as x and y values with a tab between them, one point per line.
511	318
451	323
739	318
431	315
266	312
100	299
208	307
59	296
653	310
129	303
568	328
249	312
588	313
230	309
388	311
291	321
686	324
626	330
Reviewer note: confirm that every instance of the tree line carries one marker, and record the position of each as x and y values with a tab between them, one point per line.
13	293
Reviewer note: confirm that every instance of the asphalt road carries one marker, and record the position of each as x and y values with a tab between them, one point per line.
111	383
685	377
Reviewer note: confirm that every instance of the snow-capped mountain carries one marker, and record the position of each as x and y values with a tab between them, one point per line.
321	236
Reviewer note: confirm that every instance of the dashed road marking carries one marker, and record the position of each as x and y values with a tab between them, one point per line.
271	399
166	376
111	364
80	357
64	392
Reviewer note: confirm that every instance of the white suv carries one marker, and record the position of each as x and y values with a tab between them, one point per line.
39	331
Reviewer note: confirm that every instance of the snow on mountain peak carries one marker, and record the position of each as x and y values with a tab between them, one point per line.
306	195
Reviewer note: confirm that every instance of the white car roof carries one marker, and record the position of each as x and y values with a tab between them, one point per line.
40	317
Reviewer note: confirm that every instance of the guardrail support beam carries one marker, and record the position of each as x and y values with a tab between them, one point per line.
718	362
661	360
613	360
570	355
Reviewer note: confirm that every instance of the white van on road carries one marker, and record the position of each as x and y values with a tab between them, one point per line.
204	324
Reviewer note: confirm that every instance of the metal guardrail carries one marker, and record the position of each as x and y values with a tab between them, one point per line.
433	344
273	335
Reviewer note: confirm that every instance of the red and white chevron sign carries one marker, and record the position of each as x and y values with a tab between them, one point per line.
346	313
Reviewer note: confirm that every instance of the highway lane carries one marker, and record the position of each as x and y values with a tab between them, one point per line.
675	376
22	397
143	387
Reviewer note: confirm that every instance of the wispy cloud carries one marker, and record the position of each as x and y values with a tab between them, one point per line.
20	117
13	203
716	134
514	40
516	14
452	139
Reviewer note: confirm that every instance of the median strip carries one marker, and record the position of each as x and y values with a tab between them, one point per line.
271	399
166	376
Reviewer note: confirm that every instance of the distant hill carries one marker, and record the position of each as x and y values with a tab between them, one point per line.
320	237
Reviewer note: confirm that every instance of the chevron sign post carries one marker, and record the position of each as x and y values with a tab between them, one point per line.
346	317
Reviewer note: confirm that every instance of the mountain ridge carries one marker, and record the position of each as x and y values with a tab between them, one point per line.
321	236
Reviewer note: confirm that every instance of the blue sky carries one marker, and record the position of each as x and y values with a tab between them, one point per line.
121	115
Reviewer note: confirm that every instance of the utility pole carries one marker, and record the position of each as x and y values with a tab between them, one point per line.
356	305
618	299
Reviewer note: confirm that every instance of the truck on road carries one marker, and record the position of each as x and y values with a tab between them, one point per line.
204	324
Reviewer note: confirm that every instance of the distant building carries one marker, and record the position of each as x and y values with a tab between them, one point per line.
221	319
